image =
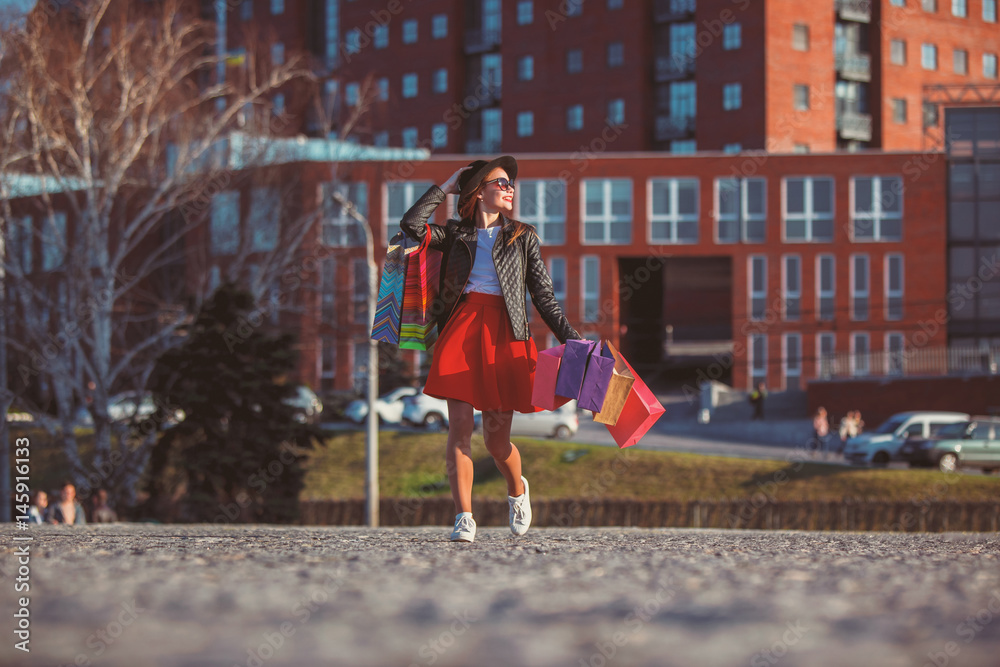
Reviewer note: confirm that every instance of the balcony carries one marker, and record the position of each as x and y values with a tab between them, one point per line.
854	66
481	41
673	10
855	126
674	127
486	92
855	10
674	67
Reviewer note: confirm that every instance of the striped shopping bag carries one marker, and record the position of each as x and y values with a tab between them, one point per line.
418	326
386	325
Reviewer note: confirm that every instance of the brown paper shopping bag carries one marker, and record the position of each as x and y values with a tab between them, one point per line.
618	389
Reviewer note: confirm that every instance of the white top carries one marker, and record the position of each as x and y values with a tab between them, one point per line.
483	278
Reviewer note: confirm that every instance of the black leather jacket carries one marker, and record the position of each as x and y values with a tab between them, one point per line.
518	265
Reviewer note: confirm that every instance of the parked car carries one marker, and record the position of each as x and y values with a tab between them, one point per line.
389	407
129	406
967	444
306	405
882	445
432	413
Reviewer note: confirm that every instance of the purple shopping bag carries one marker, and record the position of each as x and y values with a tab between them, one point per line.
573	367
596	380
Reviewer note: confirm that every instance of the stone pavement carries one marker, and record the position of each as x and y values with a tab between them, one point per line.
199	595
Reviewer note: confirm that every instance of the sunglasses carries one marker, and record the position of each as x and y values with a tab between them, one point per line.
502	183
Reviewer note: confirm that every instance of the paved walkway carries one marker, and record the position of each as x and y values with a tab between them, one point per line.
193	596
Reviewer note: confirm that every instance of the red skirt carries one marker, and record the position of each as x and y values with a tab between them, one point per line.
478	360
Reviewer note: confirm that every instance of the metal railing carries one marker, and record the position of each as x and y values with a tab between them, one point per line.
477	41
669	68
854	66
674	127
856	126
855	10
914	362
673	10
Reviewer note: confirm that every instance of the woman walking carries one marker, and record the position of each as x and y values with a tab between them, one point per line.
484	357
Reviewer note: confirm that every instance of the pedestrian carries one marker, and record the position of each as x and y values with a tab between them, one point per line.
38	512
756	399
101	512
484	356
68	510
821	429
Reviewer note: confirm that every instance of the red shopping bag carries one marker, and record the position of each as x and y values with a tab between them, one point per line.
639	414
543	391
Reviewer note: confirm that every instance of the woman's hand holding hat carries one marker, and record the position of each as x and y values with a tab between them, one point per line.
451	186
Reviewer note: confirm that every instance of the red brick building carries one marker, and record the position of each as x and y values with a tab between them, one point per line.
481	76
777	259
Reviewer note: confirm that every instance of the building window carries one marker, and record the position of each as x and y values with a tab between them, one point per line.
616	54
899	111
383	89
410	31
616	112
732	96
801	149
683	147
542	203
381	39
732	148
930	114
808	208
990	65
359	291
525	124
800	37
351	94
894	353
410	137
607	211
801	95
960	61
409	85
757	279
574	61
674	210
791	287
574	7
757	348
439	135
732	37
928	56
381	139
264	219
440	81
930	5
328	362
860	280
22	233
960	8
740	209
860	351
898	3
526	68
278	104
246	10
590	273
878	208
439	26
277	7
897	52
574	117
278	53
399	197
990	11
894	287
615	4
826	287
525	12
352	41
791	355
340	228
826	345
557	271
224	228
328	293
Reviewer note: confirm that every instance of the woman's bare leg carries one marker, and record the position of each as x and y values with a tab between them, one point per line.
459	454
496	433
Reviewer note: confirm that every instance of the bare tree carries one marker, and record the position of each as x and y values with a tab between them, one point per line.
117	131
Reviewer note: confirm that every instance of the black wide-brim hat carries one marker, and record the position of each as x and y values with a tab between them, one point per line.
471	178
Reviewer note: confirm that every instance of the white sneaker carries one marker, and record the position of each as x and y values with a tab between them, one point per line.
465	529
520	511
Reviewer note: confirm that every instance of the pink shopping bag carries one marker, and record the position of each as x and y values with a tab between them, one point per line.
543	392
